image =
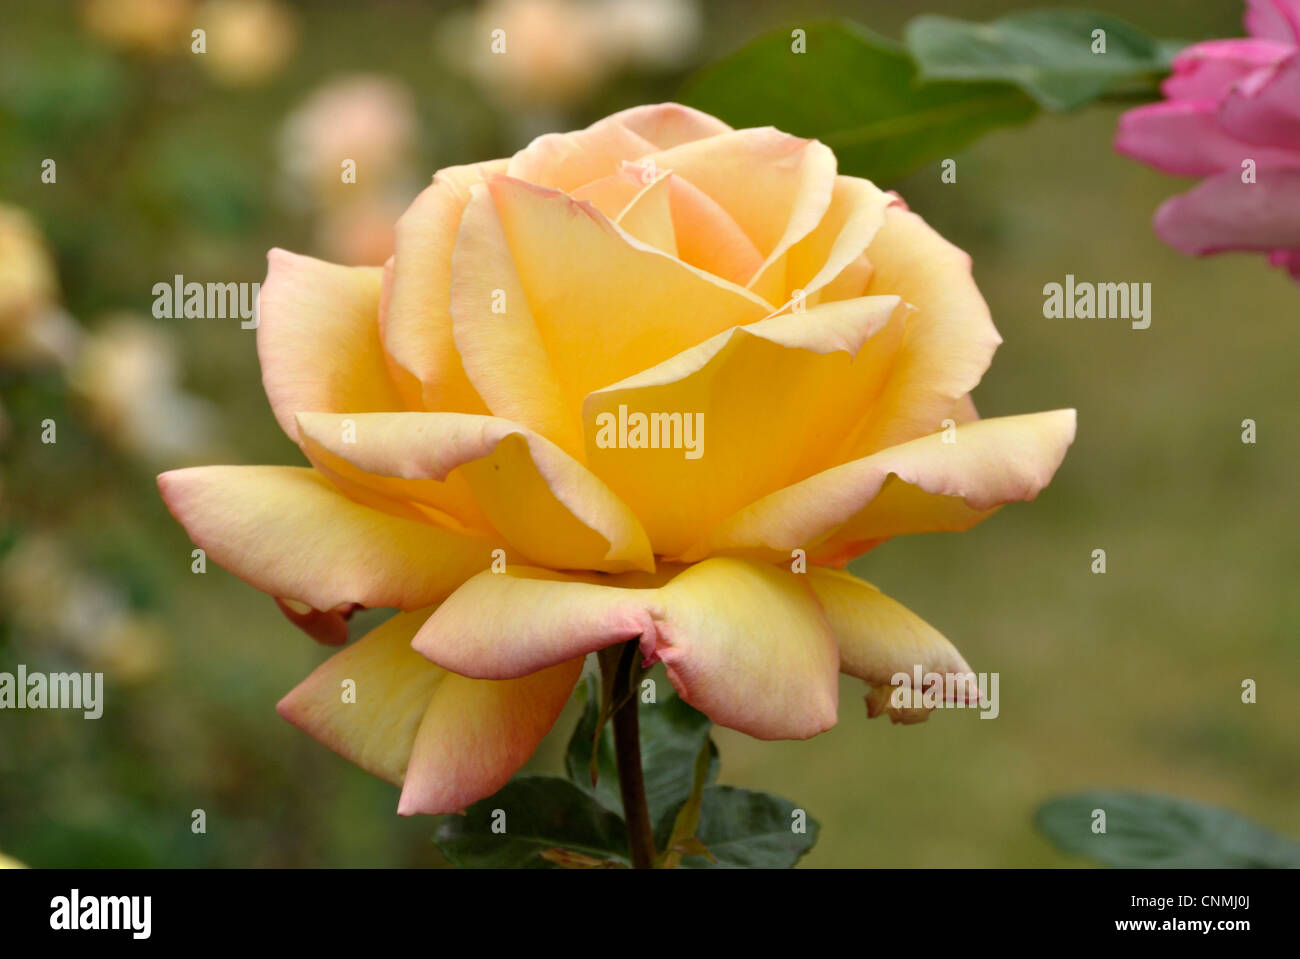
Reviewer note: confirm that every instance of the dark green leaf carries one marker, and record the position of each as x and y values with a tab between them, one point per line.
682	837
1047	53
672	734
742	828
1161	832
859	94
541	813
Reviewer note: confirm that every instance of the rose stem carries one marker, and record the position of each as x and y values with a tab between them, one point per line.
627	749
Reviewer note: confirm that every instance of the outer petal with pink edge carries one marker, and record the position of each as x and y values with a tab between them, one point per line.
567	161
286	531
880	638
745	643
922	486
318	339
447	740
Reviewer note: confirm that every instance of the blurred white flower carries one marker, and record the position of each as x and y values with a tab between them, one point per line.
552	53
52	601
126	374
656	34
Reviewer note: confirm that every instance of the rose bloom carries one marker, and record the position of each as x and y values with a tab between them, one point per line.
1230	101
455	407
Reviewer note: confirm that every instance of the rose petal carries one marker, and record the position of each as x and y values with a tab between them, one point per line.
746	437
318	339
855	216
950	339
1274	19
585	305
477	733
393	686
545	504
1185	138
649	216
708	237
1265	108
925	485
1222	213
747	644
286	531
329	627
1207	71
448	740
1288	260
669	124
777	187
879	638
566	161
417	329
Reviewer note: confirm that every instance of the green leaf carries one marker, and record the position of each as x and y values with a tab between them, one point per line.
859	94
672	735
682	838
742	828
542	813
1047	53
1145	830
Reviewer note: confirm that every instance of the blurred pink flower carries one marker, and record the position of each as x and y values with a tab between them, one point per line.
1232	117
366	118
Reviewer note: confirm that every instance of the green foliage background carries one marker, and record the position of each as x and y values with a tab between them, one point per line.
1128	680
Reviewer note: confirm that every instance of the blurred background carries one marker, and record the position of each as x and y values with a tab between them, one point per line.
171	163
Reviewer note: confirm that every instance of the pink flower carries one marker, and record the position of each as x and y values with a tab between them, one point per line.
1232	117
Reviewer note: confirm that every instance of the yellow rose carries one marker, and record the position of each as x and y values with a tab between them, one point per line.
478	398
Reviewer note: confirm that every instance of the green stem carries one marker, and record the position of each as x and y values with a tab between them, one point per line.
627	750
